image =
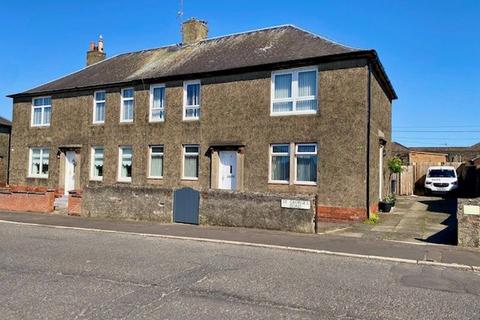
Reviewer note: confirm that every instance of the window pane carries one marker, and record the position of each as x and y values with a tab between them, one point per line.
282	106
157	149
98	162
190	149
306	148
36	161
283	86
128	93
156	165
126	168
191	166
192	113
37	116
280	149
193	94
158	97
38	102
47	101
100	96
307	83
307	105
128	110
307	168
157	114
280	168
47	113
45	160
100	111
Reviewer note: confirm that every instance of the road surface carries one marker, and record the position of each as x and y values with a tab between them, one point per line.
75	274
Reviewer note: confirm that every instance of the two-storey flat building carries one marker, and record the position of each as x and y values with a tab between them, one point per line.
276	110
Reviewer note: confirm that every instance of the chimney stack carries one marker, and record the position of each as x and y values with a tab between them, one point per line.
95	53
193	31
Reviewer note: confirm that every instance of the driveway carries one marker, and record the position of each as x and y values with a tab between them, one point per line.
414	219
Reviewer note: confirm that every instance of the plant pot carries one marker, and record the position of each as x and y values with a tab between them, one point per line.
384	206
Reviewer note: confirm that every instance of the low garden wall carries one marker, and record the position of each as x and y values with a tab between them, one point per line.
217	208
27	200
468	220
122	202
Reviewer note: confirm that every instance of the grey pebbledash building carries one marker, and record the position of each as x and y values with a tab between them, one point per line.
277	111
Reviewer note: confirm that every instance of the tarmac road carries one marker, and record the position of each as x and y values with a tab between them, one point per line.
76	274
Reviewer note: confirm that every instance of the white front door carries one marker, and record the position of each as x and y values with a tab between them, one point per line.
69	171
228	170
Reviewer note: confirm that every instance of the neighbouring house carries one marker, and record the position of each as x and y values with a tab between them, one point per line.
5	130
410	156
277	112
454	154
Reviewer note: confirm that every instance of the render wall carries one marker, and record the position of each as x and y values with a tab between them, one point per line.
235	109
381	123
4	150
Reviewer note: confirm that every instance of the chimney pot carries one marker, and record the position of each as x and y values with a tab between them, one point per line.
193	31
96	52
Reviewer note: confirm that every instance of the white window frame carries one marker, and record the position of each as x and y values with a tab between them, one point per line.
122	99
184	153
271	154
40	175
95	101
152	88
119	169
294	98
312	183
150	160
185	107
92	163
42	107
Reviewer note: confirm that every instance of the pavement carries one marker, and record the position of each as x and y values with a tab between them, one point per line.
327	243
415	219
55	273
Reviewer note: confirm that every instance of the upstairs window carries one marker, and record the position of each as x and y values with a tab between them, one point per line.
190	161
125	156
41	111
280	163
306	163
157	103
191	100
99	107
294	92
39	159
127	108
97	164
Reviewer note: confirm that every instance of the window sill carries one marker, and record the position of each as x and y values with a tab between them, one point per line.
278	182
191	119
126	122
124	181
305	183
292	113
39	126
98	123
155	178
96	179
37	177
156	121
189	179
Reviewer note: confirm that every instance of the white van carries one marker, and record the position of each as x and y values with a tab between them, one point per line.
441	179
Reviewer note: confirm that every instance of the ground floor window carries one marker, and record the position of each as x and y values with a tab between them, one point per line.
39	158
190	161
280	163
156	162
125	156
306	163
96	172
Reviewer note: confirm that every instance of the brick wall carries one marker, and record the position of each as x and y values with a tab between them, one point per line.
11	200
75	204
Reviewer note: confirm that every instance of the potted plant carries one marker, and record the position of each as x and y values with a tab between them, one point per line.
387	203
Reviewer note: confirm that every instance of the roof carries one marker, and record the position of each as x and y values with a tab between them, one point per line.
5	122
262	47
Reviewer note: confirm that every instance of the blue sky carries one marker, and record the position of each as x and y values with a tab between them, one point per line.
430	49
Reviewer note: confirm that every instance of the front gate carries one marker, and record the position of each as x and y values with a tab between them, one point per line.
186	202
